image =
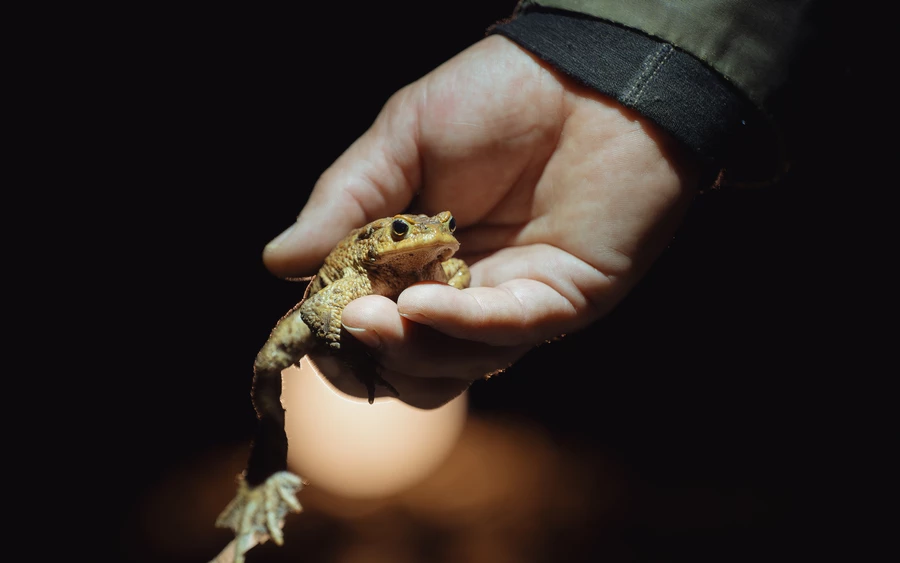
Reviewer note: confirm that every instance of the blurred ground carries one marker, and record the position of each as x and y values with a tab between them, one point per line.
508	493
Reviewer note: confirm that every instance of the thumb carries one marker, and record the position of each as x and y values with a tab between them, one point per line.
376	177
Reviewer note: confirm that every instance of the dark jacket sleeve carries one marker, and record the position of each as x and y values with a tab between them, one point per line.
702	70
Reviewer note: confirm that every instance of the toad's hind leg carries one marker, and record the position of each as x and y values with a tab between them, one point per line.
267	491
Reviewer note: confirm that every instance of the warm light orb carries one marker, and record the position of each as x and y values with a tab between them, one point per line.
353	449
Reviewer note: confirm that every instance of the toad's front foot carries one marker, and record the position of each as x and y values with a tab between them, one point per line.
258	513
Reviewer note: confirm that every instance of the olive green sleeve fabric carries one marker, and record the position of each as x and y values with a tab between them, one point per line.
749	43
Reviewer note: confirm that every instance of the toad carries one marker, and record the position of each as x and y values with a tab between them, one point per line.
382	258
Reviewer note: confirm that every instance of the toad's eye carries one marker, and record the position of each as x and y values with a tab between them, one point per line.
452	224
399	228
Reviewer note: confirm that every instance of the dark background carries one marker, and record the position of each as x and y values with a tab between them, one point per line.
723	376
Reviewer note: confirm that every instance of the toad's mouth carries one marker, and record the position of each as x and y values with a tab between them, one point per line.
421	253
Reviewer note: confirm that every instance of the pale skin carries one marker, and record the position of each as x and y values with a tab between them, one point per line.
563	199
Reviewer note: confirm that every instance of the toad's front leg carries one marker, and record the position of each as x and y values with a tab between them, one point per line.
267	491
323	311
457	273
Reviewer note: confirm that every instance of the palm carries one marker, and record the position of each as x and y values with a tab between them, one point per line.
486	130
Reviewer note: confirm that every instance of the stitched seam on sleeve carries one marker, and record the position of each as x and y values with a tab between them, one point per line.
648	70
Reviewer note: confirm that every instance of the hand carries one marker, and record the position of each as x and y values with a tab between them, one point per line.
563	198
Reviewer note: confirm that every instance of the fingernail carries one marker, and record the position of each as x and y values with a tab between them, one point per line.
418	318
280	238
368	337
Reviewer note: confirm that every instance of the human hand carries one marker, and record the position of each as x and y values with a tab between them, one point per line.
563	198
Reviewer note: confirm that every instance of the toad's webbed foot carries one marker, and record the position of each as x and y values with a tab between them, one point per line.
375	379
257	513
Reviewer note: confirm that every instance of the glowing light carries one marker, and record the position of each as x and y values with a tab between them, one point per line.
353	449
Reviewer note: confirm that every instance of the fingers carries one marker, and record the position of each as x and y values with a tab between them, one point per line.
523	295
406	347
377	176
514	313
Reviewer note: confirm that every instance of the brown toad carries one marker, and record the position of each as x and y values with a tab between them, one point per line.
382	258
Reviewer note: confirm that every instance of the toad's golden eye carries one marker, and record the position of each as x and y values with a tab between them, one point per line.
399	228
452	224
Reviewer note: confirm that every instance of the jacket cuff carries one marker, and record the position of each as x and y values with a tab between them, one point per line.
678	92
